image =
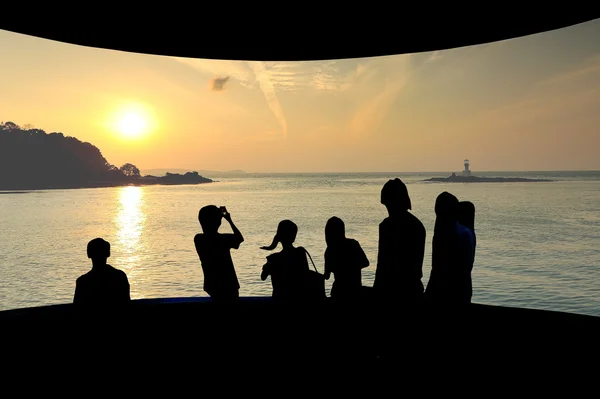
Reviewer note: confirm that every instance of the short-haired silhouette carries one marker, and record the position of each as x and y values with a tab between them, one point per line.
345	258
452	253
103	285
289	267
466	217
401	248
213	248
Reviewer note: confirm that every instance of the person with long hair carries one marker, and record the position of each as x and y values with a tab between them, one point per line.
401	248
287	268
345	258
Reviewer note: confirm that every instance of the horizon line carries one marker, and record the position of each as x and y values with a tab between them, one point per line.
240	171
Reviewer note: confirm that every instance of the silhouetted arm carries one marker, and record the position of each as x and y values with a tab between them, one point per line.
197	239
77	296
327	266
468	250
265	272
421	250
361	258
236	232
126	289
382	258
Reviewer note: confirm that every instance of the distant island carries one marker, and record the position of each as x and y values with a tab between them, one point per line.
468	178
475	179
31	159
213	173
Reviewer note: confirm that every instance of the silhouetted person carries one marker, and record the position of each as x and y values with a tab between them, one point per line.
401	248
103	285
287	268
466	217
452	253
213	248
345	258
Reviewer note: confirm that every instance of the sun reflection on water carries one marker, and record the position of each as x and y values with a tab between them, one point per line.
130	221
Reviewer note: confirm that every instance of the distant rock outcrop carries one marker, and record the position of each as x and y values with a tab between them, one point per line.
175	178
213	173
475	179
31	159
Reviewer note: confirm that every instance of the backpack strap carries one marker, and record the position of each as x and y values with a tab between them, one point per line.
311	261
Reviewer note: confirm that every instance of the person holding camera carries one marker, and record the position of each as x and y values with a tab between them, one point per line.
213	248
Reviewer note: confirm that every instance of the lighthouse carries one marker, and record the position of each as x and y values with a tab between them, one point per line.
466	172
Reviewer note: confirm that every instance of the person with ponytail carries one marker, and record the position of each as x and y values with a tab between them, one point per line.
287	268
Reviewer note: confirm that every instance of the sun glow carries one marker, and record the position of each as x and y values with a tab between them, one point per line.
132	125
132	122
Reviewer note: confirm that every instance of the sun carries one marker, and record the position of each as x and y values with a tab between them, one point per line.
132	121
133	124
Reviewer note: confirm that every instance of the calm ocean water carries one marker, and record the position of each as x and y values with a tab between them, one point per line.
538	243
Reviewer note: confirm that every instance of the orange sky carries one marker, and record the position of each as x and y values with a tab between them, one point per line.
531	103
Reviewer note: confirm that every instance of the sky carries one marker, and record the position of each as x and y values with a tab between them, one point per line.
531	103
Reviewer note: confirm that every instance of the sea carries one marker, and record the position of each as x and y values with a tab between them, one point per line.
538	244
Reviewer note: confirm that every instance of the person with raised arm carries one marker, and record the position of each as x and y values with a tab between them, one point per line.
213	248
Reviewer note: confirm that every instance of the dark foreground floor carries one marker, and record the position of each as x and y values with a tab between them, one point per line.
313	344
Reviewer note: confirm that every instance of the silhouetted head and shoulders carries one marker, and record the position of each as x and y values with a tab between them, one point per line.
394	196
288	267
213	249
103	284
454	217
335	235
446	209
342	253
210	218
286	236
447	230
344	258
466	214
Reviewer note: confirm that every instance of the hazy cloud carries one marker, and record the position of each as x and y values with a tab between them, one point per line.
218	84
283	76
273	77
266	85
234	70
252	74
373	110
293	76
